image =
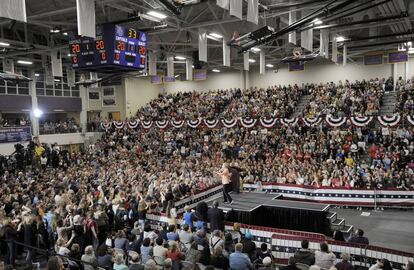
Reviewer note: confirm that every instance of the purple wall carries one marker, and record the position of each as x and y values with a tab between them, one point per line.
48	104
15	103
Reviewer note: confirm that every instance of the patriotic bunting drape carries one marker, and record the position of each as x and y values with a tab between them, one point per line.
358	121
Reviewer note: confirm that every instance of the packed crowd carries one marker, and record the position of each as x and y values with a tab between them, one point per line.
57	127
274	101
95	202
346	98
406	96
14	122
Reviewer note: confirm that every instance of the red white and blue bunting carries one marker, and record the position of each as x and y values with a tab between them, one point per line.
133	123
248	123
410	119
161	124
389	120
119	125
289	121
358	121
335	121
146	124
105	125
229	123
177	123
211	123
361	121
311	122
268	123
194	123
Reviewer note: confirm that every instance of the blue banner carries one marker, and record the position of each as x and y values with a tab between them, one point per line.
397	57
156	79
374	59
299	66
200	74
15	134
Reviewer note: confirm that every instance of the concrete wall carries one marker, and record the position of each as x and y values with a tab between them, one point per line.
97	105
138	92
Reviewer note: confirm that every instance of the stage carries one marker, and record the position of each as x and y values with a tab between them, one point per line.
270	210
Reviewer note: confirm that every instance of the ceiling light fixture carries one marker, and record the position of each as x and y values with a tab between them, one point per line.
252	60
269	65
65	33
4	44
317	21
214	35
340	39
215	70
24	62
180	57
157	14
37	74
255	49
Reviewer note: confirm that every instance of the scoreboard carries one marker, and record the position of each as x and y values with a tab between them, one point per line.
114	46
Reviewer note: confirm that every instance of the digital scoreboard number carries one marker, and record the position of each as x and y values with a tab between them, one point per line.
114	45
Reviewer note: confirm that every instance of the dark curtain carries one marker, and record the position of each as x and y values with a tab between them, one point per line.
284	218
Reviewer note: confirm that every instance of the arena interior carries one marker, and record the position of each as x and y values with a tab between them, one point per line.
207	134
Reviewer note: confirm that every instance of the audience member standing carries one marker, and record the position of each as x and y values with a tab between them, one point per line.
216	217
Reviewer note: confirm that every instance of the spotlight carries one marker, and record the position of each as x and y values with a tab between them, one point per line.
37	113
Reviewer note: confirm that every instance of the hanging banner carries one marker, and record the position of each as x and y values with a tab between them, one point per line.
194	123
373	59
49	80
177	123
146	124
200	74
167	79
268	123
334	49
118	125
397	57
13	10
289	121
86	18
262	62
15	134
161	124
152	64
226	54
56	59
253	11
70	76
292	35
229	123
344	55
246	61
410	119
189	69
156	79
211	123
202	45
324	43
236	8
170	66
307	39
311	122
298	66
389	120
223	4
335	121
8	65
133	124
361	121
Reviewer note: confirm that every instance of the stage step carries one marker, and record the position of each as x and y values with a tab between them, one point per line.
347	229
338	223
332	216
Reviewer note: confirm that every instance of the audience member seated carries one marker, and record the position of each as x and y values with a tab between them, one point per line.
218	260
359	238
304	255
345	264
239	260
68	126
324	258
